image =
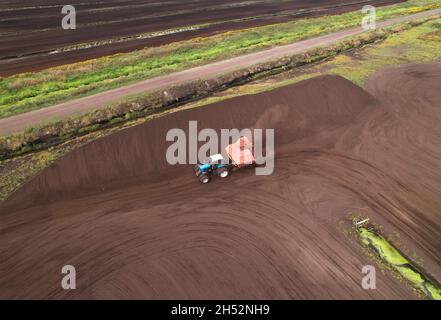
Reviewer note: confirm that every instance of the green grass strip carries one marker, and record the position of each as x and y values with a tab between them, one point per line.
389	254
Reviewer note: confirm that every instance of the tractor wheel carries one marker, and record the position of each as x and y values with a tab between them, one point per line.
222	172
204	178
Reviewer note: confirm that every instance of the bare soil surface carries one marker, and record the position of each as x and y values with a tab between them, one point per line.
31	30
23	121
137	227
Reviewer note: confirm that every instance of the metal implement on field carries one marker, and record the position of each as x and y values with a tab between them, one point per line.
240	154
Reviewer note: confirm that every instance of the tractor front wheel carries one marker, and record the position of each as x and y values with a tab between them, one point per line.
204	178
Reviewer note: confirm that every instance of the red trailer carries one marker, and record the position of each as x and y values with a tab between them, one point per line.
241	152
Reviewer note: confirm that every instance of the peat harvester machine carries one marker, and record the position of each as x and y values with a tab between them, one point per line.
240	154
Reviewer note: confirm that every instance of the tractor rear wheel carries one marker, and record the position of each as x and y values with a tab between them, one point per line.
204	178
222	172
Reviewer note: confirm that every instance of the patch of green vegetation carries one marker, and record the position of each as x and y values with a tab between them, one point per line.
406	47
14	173
30	91
432	36
390	255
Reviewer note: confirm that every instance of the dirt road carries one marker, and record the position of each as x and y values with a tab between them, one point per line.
20	122
137	227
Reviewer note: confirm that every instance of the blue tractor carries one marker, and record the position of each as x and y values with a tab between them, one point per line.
214	165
